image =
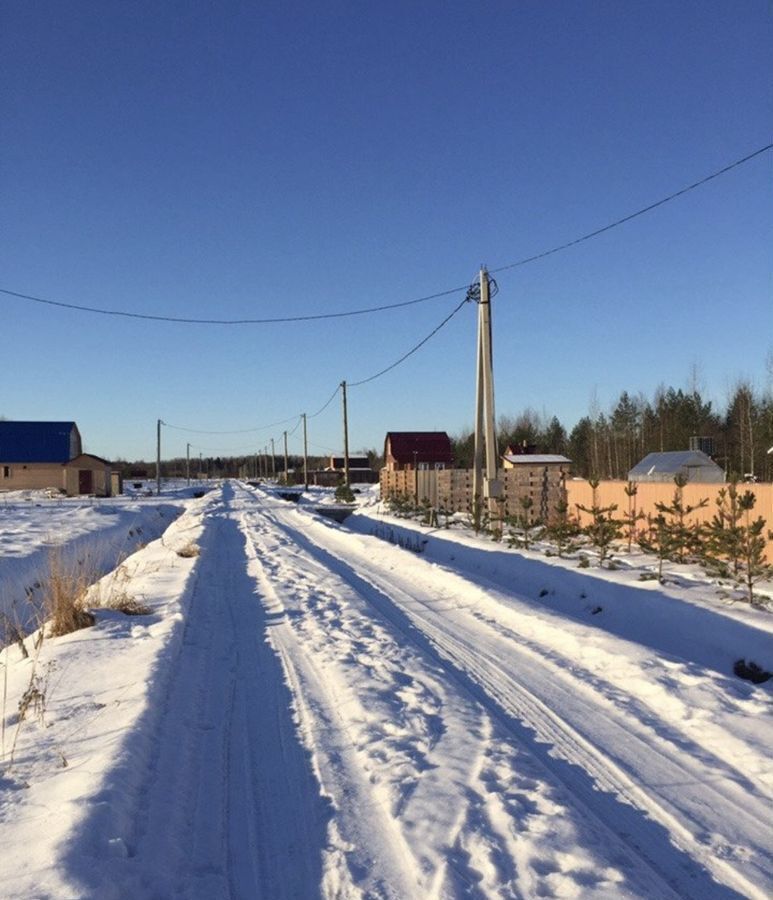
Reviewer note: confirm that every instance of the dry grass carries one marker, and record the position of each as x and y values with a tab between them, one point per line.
129	606
64	592
189	551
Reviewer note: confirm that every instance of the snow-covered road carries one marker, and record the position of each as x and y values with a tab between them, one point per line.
337	716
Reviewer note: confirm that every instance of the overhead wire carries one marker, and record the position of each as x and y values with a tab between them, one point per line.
404	303
634	215
384	307
263	321
413	350
323	408
237	431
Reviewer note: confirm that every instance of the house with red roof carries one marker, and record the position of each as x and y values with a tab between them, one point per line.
421	450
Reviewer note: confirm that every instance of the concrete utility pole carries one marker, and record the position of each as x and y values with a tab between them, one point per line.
188	463
484	415
346	437
158	457
287	464
273	459
305	455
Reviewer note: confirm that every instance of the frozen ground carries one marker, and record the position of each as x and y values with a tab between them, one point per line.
315	710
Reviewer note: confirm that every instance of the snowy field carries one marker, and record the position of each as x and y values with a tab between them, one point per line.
372	710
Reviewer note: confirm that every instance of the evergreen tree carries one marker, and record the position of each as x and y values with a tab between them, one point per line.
632	516
684	537
563	529
751	547
603	529
658	539
521	524
723	533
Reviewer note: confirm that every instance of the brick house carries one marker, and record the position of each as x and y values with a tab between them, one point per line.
420	450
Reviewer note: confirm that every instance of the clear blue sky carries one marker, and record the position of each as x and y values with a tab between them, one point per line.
245	160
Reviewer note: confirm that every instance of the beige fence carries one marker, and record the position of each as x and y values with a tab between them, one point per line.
451	489
650	493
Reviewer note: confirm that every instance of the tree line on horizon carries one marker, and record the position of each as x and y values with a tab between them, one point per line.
608	445
605	445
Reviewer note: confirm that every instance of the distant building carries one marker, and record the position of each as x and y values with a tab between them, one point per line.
49	455
552	460
420	450
539	476
694	465
355	462
360	471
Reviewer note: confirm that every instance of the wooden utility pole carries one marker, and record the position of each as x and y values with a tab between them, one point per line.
346	437
287	465
158	457
488	488
188	463
273	459
305	455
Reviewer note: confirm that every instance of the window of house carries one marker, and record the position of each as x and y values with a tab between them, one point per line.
6	471
440	465
423	467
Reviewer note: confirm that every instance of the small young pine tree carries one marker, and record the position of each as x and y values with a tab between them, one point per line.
684	537
632	516
723	533
521	523
563	530
603	529
751	547
658	539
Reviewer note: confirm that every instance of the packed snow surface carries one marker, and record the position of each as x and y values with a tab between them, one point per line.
375	709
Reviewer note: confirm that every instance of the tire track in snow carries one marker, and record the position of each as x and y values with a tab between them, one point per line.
576	761
506	818
374	772
229	806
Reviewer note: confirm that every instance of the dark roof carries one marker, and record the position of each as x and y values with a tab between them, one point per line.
38	442
429	446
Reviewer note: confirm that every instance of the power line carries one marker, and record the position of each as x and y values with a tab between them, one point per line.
265	321
322	409
238	431
401	304
634	215
413	349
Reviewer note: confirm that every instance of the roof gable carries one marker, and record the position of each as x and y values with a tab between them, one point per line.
39	442
429	446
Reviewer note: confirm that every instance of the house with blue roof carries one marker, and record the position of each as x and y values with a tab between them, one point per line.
49	456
